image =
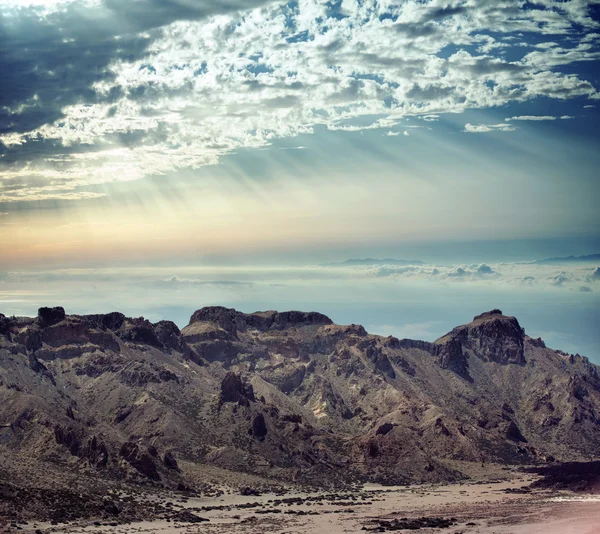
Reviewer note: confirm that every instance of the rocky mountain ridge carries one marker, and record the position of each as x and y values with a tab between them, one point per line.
289	396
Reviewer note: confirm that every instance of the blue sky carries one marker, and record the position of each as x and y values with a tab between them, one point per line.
179	135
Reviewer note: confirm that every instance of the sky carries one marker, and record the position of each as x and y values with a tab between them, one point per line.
236	147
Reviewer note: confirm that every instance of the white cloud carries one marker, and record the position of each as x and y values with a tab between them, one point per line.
484	128
532	118
538	118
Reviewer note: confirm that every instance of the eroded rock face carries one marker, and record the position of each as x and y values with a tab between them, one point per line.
452	357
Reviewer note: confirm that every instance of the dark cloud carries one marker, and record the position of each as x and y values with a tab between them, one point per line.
413	31
429	92
148	14
486	65
442	13
53	61
49	61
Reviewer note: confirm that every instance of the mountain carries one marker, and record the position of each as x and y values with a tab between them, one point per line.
374	261
571	259
285	396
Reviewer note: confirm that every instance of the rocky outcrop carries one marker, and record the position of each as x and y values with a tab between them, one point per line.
169	335
170	462
491	336
93	450
50	316
233	389
141	461
106	321
259	427
138	331
233	321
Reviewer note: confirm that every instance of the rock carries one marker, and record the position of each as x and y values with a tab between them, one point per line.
94	451
288	319
248	491
50	316
138	331
31	337
169	335
259	427
513	433
185	516
141	461
378	358
111	507
226	318
384	429
234	390
491	337
452	357
4	326
170	462
105	321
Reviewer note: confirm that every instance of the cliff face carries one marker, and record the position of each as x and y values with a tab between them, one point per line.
288	395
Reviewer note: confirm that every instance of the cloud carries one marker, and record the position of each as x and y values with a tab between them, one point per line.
103	90
485	128
538	118
532	118
176	280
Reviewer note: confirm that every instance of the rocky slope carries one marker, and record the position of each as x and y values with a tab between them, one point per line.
284	395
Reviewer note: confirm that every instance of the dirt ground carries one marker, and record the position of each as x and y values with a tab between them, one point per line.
492	507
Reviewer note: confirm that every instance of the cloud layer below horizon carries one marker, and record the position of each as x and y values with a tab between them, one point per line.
100	91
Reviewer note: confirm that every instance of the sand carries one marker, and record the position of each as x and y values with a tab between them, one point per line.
482	508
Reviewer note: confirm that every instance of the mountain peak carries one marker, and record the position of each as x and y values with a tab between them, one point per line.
233	320
491	336
489	314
